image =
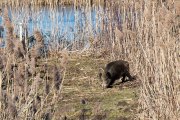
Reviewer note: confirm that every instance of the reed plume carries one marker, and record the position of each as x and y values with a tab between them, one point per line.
47	88
38	99
34	108
32	66
64	59
38	79
177	8
39	38
1	63
20	76
12	110
46	116
9	31
19	50
38	50
57	77
1	90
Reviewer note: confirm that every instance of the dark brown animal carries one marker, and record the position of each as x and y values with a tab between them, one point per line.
115	70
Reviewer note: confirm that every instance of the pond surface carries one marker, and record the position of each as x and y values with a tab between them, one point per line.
61	23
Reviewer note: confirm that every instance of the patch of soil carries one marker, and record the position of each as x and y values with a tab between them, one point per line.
130	84
99	117
122	103
127	110
83	114
123	118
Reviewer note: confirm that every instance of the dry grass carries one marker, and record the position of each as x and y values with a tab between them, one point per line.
83	96
22	76
52	3
145	33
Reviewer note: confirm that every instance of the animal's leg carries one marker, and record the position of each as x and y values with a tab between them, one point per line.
109	85
123	79
129	76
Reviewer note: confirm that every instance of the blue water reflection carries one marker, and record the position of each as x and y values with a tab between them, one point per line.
62	23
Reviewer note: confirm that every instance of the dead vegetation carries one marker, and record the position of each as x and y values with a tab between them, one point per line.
40	85
52	3
24	72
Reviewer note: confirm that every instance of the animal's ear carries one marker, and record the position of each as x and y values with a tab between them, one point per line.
100	76
101	71
126	64
108	74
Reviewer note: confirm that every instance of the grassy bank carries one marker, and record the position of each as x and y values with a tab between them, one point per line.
83	84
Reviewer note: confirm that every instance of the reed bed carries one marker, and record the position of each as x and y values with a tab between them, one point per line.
145	33
52	3
148	36
28	91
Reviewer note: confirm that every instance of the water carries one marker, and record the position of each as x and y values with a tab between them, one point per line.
57	24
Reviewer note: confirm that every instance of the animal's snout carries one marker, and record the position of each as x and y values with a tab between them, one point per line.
105	84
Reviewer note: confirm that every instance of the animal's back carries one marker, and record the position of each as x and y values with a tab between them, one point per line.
117	68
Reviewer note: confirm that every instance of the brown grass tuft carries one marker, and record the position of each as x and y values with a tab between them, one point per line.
19	51
64	59
9	31
1	63
12	110
38	50
46	116
19	76
47	89
39	38
57	78
32	66
177	8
